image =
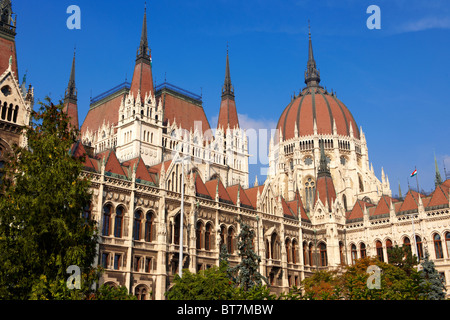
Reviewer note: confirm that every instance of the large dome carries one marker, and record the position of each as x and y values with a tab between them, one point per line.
315	104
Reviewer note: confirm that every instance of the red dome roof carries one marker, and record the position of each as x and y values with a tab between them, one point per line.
315	103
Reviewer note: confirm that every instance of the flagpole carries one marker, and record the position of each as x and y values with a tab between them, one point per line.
417	180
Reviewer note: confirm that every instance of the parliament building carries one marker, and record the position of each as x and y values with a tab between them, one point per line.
147	145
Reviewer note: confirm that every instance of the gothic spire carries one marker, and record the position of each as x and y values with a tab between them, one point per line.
228	89
312	75
143	50
71	91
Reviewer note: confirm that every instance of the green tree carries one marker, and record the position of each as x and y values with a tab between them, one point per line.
246	272
210	284
42	230
431	282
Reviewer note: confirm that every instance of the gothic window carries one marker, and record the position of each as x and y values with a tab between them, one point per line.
447	242
199	235
105	260
208	237
176	231
419	247
310	254
438	246
86	210
118	221
137	225
117	261
354	254
288	250
363	250
141	293
341	252
106	220
388	248
310	188
294	251
379	247
344	201
323	255
149	227
230	241
343	160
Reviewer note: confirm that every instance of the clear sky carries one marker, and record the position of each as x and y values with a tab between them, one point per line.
394	80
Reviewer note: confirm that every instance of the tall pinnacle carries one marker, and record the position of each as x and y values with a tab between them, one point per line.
143	50
312	75
323	166
228	89
71	91
142	81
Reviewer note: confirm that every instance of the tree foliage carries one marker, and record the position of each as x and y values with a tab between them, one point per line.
42	200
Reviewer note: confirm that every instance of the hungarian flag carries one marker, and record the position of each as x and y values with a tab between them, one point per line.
414	173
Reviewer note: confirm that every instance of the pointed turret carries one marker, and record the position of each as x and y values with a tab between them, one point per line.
70	98
325	190
228	117
312	74
142	83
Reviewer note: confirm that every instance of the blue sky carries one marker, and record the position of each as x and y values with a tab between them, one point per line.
395	80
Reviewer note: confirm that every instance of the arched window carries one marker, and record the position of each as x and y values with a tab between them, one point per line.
137	225
419	247
208	237
288	250
222	236
310	189
379	247
323	255
118	222
354	254
273	246
362	248
199	235
310	251
149	227
176	231
438	246
388	248
305	256
341	252
447	242
141	292
294	251
230	241
106	230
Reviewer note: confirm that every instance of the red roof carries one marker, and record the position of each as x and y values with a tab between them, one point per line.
228	116
112	163
252	194
411	201
233	192
439	197
107	112
322	107
200	187
212	185
185	113
325	191
142	80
